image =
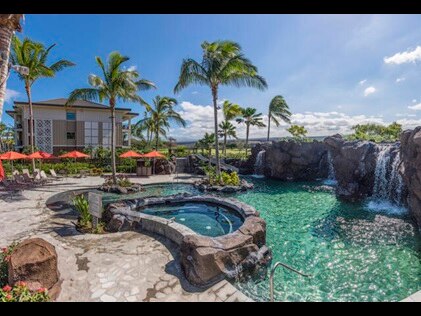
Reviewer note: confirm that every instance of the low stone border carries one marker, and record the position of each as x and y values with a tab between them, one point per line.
244	186
204	260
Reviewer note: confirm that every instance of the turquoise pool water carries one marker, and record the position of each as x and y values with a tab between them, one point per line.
204	218
355	251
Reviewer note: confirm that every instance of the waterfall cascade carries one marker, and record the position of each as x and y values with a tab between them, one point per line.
331	178
259	164
388	183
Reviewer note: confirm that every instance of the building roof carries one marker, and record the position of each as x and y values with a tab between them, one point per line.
76	104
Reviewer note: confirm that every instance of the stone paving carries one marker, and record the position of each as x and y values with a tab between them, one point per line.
126	266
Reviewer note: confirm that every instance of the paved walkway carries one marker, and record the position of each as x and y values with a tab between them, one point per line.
126	266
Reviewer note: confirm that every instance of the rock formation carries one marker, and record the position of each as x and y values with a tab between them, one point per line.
34	261
354	163
411	173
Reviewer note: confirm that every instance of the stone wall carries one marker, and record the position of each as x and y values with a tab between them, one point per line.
411	159
354	163
291	160
204	259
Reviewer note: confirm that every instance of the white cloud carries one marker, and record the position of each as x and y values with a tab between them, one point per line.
400	79
404	57
11	95
200	120
415	107
369	91
195	92
362	82
132	68
405	115
414	100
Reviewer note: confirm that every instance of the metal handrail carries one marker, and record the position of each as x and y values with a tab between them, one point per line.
272	274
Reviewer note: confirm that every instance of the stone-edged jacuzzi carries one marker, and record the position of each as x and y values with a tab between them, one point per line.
236	253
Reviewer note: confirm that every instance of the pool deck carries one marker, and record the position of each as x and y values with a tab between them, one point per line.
126	266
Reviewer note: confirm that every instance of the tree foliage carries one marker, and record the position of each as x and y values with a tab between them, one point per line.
376	132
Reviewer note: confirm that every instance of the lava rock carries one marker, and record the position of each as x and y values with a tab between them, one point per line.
34	261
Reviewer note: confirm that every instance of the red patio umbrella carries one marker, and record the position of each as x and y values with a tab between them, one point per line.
12	155
41	155
74	154
131	154
154	154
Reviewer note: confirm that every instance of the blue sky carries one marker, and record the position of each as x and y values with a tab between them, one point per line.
333	70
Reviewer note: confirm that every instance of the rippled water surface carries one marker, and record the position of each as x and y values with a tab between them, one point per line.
355	252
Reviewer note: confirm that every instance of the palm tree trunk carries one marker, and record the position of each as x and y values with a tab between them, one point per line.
269	125
225	144
157	141
215	114
31	122
113	142
247	137
6	34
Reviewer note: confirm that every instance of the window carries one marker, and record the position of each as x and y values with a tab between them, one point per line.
91	133
71	116
71	135
106	134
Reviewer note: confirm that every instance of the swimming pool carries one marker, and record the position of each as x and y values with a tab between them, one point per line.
204	218
355	251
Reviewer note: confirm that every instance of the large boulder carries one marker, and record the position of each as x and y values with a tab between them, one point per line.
293	160
354	163
34	261
411	171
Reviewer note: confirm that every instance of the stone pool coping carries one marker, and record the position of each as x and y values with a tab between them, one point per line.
204	259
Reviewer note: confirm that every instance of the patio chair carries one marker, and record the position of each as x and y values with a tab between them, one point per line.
11	187
23	180
54	175
26	171
38	178
15	172
82	174
44	176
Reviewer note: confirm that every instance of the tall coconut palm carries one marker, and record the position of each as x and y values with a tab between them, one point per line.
206	143
278	110
226	130
223	64
117	84
160	117
33	55
9	24
249	117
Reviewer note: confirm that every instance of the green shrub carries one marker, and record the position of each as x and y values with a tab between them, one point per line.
82	206
225	178
4	258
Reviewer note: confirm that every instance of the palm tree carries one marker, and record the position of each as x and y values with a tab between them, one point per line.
278	110
160	117
117	84
34	55
223	64
206	143
9	24
6	137
250	118
226	130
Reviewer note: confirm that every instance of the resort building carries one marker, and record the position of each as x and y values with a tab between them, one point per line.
64	128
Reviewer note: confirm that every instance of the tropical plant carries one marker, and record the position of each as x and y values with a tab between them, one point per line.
376	132
249	117
81	205
297	131
6	137
223	64
160	116
20	292
117	84
278	110
226	130
9	23
34	55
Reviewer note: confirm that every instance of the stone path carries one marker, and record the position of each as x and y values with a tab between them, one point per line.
126	266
